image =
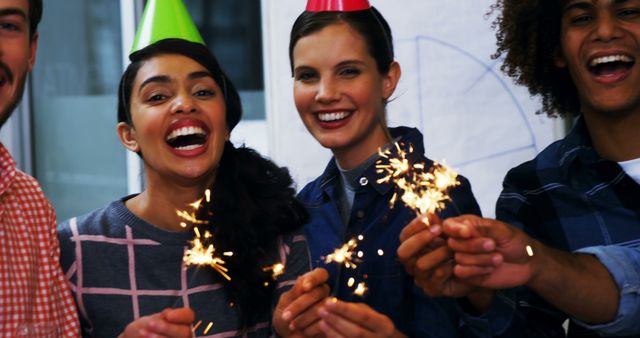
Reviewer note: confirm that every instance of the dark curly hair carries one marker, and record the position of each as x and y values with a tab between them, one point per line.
252	203
528	37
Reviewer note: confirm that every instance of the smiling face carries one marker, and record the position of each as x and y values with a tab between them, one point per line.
17	53
600	46
178	120
340	94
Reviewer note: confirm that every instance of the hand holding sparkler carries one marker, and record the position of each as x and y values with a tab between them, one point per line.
344	319
173	323
296	314
491	253
427	258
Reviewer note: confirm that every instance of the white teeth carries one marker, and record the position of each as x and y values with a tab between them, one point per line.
610	58
184	131
189	147
330	117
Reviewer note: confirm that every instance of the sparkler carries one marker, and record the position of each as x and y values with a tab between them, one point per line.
276	270
345	254
200	253
361	289
422	190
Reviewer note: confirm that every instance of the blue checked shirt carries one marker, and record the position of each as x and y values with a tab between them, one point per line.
570	198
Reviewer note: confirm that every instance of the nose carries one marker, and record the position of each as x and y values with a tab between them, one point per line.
327	91
183	104
607	28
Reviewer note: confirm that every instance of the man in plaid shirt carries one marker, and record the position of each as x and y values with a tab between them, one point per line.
570	229
35	300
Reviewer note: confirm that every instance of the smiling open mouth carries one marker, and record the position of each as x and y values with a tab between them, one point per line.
332	117
187	138
611	64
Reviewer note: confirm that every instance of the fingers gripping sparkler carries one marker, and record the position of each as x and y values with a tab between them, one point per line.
422	190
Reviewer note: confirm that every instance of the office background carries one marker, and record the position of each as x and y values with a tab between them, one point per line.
472	116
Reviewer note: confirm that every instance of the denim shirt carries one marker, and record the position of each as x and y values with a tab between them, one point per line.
570	198
391	290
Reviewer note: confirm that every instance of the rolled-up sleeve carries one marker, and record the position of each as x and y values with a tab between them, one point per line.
624	265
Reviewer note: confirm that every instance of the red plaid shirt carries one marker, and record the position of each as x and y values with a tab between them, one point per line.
35	300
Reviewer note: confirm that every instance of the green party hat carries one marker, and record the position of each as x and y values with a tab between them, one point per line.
165	19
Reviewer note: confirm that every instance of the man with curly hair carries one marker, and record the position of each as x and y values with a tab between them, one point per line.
569	226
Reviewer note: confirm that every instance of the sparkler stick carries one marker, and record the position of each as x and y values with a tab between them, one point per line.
422	190
202	251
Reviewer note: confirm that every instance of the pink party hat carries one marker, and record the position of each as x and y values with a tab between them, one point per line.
337	5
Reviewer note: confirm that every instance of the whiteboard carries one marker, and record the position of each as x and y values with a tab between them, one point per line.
471	115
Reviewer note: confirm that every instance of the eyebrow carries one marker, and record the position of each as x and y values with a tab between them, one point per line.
577	5
154	79
13	11
349	62
167	79
587	4
341	64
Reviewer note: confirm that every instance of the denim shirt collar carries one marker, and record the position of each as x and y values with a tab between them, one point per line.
409	137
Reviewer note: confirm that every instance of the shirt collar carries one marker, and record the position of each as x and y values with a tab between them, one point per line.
409	137
7	169
577	147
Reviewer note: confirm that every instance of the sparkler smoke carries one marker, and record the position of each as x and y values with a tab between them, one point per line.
422	190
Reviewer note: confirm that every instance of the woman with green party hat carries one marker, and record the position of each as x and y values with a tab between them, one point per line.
176	110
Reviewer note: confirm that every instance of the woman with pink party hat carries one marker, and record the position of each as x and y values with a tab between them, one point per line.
176	110
344	71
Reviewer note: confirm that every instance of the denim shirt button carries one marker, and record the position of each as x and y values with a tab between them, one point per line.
360	214
364	181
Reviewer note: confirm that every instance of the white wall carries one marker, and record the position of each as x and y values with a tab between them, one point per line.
470	114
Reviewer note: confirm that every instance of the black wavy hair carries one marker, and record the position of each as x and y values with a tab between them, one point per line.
528	37
369	23
253	202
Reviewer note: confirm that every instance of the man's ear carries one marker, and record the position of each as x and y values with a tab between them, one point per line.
127	135
33	48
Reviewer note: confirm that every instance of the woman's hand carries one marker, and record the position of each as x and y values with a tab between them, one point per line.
426	257
343	319
172	323
296	314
